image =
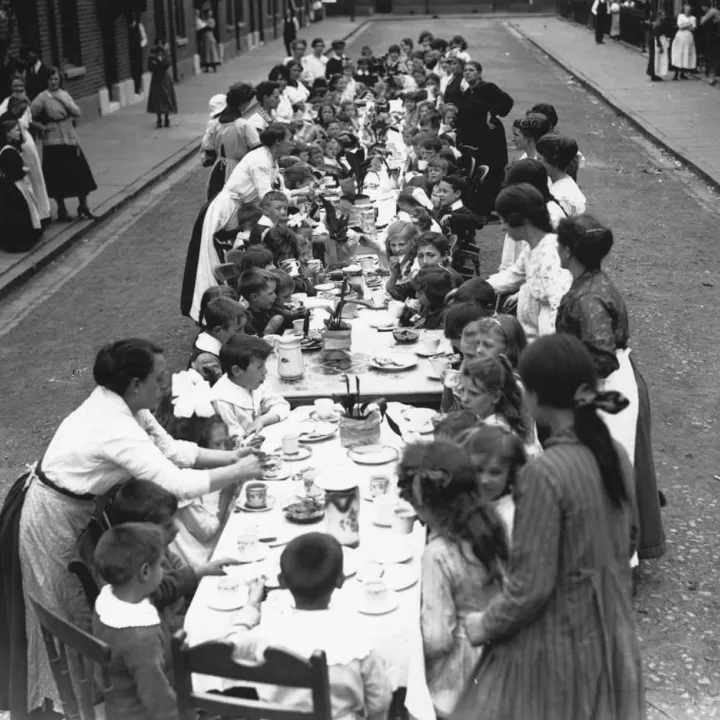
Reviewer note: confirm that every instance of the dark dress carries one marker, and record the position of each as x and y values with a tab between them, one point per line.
17	233
161	98
479	127
594	311
561	634
601	20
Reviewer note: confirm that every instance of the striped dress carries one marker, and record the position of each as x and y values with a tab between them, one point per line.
562	640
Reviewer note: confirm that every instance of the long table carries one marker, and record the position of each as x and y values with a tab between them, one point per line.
418	386
396	636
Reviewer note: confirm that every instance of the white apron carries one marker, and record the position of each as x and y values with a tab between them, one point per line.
623	426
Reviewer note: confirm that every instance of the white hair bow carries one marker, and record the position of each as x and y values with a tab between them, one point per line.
296	220
191	395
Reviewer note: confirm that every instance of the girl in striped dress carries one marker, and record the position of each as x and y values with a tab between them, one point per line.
560	639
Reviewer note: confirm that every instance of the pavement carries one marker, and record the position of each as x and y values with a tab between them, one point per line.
128	154
679	115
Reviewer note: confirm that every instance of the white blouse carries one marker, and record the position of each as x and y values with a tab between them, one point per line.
542	282
102	444
568	194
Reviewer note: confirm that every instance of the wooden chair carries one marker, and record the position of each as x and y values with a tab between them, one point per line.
280	668
81	565
59	636
225	272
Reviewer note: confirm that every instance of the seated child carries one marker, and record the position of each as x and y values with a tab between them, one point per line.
187	414
461	564
400	249
258	288
311	568
498	335
257	257
477	291
129	559
453	216
497	455
221	318
274	206
432	286
283	291
241	397
282	242
456	426
436	171
489	389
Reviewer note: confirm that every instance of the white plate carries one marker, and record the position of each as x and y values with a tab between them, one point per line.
261	554
422	352
401	362
283	473
227	601
320	431
303	454
242	505
334	419
392	604
419	420
379	319
373	454
400	577
390	554
325	287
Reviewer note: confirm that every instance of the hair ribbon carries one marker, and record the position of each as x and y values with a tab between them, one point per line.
610	402
191	395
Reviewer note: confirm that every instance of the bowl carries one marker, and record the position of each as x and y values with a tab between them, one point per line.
405	336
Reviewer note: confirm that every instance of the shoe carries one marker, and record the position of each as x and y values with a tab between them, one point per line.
158	125
84	212
167	122
63	216
655	78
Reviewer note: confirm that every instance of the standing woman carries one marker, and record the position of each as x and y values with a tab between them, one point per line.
18	106
161	98
479	128
209	52
66	171
537	273
560	640
20	226
600	10
557	153
594	311
683	52
229	137
110	438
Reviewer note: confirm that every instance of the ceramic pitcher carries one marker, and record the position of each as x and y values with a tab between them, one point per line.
290	360
343	513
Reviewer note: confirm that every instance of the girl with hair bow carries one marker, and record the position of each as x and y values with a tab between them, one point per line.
187	414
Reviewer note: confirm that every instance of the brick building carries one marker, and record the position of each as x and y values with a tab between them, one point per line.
91	40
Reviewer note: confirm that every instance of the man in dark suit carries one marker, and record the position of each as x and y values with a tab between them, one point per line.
36	74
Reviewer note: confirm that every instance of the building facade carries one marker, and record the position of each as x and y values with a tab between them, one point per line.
97	44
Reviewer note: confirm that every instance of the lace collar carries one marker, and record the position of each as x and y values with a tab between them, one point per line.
119	614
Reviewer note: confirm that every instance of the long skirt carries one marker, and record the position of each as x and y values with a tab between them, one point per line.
615	25
209	53
662	59
31	158
50	525
683	52
202	257
19	216
219	175
67	173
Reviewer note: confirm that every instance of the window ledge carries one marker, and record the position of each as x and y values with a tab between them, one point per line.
181	41
241	26
74	71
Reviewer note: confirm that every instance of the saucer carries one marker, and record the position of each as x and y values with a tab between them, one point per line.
321	431
400	577
303	454
422	352
373	454
241	504
325	287
389	554
334	418
283	473
392	603
228	601
260	554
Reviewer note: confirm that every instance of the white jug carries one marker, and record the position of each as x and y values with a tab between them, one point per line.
289	355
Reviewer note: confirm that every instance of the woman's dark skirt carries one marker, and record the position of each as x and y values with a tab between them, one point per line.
161	97
191	263
67	173
652	534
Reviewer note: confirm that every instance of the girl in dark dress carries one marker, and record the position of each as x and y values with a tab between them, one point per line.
20	225
479	128
594	311
161	98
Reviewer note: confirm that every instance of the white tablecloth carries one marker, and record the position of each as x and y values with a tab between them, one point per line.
397	635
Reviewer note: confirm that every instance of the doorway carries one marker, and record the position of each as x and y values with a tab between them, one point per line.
383	6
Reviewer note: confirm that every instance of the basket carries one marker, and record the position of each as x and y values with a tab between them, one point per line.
356	432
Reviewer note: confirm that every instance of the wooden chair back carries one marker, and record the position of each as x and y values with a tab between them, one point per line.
59	636
280	668
82	564
225	272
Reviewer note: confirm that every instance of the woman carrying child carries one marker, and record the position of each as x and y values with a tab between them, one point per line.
560	639
110	438
461	564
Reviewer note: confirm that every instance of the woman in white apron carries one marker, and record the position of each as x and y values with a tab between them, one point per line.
18	105
594	311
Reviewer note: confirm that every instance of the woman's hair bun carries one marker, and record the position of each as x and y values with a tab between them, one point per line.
119	363
588	240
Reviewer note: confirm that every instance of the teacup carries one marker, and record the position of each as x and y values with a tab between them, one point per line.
290	442
367	262
248	545
325	408
403	519
422	165
440	366
379	485
384	509
428	345
228	585
256	495
396	308
452	379
375	595
299	326
291	267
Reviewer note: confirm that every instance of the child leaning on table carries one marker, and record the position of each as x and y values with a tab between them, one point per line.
242	398
259	288
129	559
311	568
461	564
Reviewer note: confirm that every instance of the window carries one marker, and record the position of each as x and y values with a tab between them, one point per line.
180	30
70	33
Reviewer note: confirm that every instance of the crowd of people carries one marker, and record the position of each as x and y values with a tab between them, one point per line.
538	491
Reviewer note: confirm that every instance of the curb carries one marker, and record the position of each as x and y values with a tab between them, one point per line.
29	266
635	119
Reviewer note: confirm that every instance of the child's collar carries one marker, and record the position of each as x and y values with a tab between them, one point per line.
118	614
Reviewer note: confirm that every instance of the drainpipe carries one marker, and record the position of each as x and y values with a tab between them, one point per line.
172	38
